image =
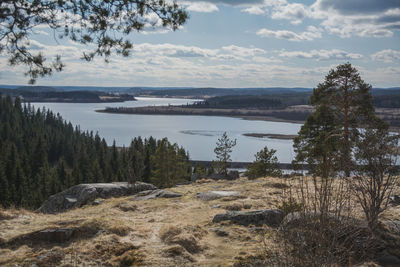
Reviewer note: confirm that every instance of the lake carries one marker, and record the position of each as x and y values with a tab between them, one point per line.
197	134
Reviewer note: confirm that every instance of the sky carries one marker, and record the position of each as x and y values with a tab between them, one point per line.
248	43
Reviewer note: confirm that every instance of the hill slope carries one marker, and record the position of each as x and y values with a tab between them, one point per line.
154	232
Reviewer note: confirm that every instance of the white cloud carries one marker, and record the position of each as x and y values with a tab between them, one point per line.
65	51
243	51
387	55
254	10
294	12
309	35
40	32
171	50
232	2
334	54
204	7
382	77
351	7
346	18
367	18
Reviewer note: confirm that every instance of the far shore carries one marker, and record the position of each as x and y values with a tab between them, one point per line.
290	115
272	136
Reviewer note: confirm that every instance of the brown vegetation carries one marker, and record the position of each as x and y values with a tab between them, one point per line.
160	232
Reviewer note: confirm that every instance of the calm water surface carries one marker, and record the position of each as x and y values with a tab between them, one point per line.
197	134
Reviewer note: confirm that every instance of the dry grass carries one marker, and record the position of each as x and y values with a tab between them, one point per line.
6	215
155	232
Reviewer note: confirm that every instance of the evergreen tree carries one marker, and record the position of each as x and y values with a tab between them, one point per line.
317	143
4	189
266	164
343	99
41	154
169	166
223	152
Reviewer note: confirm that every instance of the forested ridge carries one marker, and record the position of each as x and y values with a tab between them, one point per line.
381	99
41	154
49	94
273	101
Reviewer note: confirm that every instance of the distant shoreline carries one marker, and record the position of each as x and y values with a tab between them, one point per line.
272	136
247	114
292	114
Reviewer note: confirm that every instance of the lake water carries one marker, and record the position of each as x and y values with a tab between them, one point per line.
197	134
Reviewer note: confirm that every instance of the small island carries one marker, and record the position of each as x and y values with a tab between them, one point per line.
272	136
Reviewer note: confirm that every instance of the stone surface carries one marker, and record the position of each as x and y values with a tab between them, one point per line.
220	232
158	193
79	195
271	217
125	207
394	200
387	259
211	195
393	226
195	177
58	235
97	202
232	175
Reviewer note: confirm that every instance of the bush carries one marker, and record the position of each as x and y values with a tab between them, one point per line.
265	164
289	206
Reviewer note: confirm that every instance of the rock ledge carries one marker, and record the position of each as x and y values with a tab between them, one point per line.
82	194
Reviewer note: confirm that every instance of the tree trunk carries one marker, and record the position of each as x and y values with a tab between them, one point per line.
346	143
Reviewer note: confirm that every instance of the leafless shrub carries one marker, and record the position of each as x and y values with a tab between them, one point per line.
321	230
377	175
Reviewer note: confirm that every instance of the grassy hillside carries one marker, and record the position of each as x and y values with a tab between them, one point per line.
157	232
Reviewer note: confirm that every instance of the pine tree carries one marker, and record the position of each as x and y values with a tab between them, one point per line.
345	100
41	154
317	143
4	189
266	164
223	152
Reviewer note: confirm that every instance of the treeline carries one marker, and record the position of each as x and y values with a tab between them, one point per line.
41	154
213	92
387	101
46	95
274	101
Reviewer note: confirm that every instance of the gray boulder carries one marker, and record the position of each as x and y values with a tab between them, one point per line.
211	195
158	193
393	226
82	194
394	200
232	175
59	235
220	232
272	217
195	177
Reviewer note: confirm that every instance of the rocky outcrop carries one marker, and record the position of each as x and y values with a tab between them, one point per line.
232	175
58	235
271	217
220	232
211	195
82	194
158	193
